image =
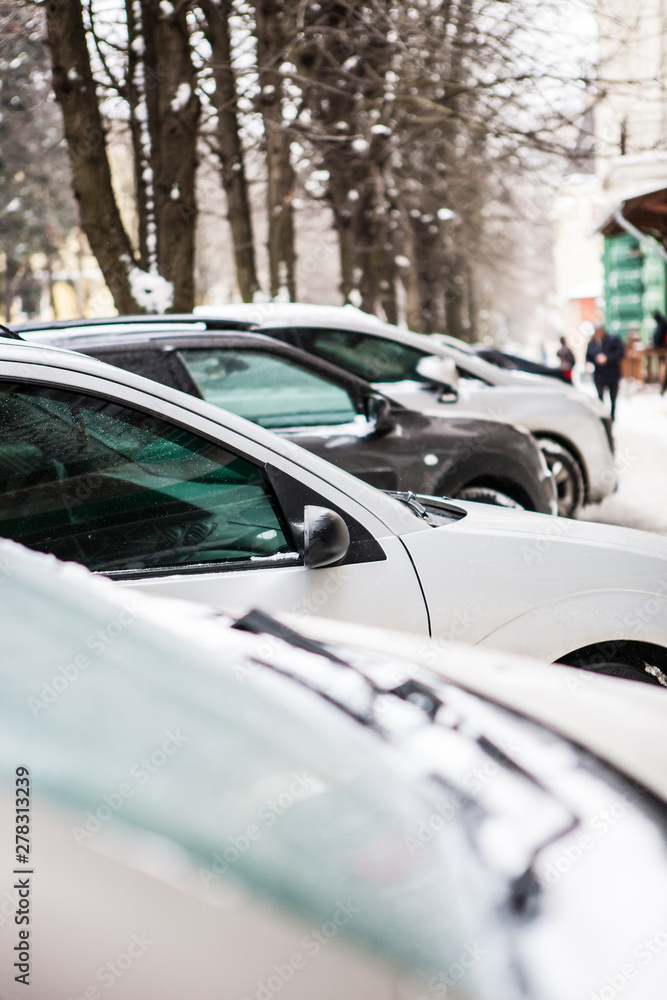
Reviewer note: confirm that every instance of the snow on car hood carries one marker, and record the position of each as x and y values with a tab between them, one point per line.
620	721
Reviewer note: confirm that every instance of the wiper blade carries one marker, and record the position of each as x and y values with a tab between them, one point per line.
410	500
523	884
440	708
259	623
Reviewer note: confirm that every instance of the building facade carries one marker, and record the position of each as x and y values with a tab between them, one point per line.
622	261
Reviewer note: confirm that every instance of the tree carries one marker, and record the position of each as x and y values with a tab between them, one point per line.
270	32
228	144
152	73
420	112
36	208
343	54
421	116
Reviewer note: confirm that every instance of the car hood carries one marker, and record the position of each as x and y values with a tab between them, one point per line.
620	721
481	517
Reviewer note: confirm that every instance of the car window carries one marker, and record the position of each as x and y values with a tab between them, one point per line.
376	359
153	363
114	488
267	389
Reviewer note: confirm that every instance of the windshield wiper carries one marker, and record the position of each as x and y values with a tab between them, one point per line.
523	885
410	500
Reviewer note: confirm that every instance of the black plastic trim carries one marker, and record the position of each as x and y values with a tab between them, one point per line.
293	496
203	569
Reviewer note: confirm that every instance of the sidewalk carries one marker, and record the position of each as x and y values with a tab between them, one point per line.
641	458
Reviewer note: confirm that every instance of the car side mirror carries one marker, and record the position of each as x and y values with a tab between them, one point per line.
441	372
378	412
326	538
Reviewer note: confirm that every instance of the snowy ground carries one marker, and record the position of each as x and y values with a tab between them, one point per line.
641	457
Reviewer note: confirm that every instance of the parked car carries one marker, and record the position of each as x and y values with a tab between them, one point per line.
575	431
333	414
514	362
234	808
167	493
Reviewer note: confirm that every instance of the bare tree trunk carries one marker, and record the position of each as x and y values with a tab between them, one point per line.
409	277
454	297
133	96
50	283
426	263
342	214
173	119
471	327
387	278
11	271
91	177
281	180
230	151
376	260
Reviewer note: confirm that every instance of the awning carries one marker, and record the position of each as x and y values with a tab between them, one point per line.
646	212
641	216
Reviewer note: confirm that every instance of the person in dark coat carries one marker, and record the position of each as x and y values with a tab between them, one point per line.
605	352
660	340
660	331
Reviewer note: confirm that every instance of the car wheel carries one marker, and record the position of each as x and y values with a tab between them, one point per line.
483	494
634	665
625	670
568	477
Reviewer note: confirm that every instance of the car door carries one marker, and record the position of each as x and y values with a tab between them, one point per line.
164	499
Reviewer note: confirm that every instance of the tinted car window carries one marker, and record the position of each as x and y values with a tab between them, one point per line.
95	482
161	366
375	359
267	389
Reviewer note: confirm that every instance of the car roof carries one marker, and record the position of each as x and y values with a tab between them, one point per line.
284	315
120	323
80	339
134	336
274	315
255	316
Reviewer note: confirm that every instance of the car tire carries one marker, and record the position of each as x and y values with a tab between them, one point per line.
619	669
484	494
568	477
638	662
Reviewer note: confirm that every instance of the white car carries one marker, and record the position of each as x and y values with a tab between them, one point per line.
189	809
174	496
574	429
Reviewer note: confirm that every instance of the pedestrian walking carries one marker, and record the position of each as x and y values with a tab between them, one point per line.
566	358
659	340
605	352
660	331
